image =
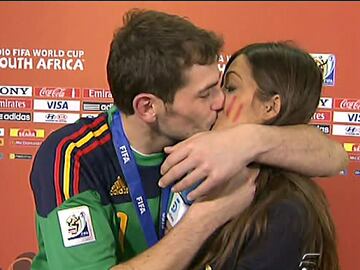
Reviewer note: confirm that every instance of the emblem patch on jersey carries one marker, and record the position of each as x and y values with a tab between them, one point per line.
76	226
177	209
119	187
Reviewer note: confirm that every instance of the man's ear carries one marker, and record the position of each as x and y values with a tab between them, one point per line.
271	108
146	106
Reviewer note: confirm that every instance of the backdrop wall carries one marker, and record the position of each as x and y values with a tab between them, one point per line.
52	70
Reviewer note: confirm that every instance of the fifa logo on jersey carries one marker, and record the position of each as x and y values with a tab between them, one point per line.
124	154
77	226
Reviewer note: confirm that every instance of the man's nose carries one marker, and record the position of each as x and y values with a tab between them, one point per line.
219	100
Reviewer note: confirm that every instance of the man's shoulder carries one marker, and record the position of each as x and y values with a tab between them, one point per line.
73	159
90	127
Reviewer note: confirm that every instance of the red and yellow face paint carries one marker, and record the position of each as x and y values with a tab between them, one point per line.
233	111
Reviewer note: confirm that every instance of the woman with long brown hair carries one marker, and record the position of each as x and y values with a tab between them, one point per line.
289	220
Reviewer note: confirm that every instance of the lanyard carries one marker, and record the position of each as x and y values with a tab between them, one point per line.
130	170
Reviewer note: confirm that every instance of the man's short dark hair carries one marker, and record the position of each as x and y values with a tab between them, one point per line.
150	53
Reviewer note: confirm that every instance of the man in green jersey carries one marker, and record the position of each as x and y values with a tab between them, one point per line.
98	204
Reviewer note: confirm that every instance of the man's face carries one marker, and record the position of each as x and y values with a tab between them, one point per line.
196	105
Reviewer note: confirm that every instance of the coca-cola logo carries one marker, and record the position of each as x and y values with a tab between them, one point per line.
56	92
348	104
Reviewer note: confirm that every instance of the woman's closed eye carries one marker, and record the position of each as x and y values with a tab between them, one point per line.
229	88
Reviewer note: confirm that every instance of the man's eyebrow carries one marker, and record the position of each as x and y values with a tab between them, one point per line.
207	87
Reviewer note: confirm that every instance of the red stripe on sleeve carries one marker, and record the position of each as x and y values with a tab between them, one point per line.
82	152
58	156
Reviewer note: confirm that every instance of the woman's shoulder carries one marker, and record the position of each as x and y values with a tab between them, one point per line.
289	214
279	246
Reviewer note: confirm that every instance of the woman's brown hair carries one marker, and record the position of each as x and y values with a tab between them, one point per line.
279	68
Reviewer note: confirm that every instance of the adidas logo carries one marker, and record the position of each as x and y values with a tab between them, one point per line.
119	187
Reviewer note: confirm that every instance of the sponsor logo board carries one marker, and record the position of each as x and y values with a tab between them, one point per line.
352	147
25	143
347	104
56	92
354	157
346	117
41	117
96	106
96	93
346	130
20	104
321	116
15	91
56	105
325	103
27	133
15	116
19	156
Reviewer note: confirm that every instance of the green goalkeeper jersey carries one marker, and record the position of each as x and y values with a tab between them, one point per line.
85	217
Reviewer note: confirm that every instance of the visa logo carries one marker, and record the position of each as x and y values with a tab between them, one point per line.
354	117
57	105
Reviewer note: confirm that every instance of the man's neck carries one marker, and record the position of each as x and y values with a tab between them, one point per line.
142	137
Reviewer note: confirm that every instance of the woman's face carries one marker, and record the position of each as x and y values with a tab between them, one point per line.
241	104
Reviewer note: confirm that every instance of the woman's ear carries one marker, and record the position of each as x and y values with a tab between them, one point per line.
145	106
271	108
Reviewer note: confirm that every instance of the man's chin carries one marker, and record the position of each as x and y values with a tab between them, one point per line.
216	123
213	125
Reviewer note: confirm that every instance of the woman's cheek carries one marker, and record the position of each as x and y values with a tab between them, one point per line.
234	110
